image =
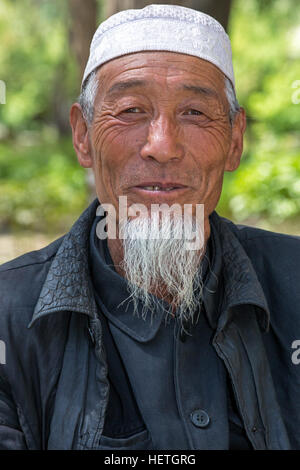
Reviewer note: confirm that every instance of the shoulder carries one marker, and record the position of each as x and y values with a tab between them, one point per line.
274	256
264	241
21	280
276	261
31	258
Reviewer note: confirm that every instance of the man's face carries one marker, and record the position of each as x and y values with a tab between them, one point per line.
162	119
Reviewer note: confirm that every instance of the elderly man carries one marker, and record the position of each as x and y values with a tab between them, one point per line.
135	340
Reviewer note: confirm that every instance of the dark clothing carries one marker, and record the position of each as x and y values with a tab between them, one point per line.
163	377
54	387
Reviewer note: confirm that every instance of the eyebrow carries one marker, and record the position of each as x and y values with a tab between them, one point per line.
202	91
126	85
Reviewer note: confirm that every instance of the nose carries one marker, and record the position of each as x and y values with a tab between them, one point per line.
163	143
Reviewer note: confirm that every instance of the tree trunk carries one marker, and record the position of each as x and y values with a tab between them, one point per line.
218	9
83	24
82	27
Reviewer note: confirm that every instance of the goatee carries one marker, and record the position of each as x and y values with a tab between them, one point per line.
158	265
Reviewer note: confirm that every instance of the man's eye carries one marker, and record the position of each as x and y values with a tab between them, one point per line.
193	112
132	110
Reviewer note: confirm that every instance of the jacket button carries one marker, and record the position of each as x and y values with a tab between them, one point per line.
200	418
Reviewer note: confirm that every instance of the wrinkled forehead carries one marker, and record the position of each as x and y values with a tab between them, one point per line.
162	69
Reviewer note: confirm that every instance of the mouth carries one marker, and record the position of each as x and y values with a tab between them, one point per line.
157	187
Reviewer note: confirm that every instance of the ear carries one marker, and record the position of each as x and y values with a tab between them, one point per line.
236	147
81	141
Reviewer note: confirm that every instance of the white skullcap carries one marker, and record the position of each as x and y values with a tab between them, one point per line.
161	28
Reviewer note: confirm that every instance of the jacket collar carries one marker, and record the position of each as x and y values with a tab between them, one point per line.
239	279
68	286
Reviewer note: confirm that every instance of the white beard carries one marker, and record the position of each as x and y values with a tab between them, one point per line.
155	255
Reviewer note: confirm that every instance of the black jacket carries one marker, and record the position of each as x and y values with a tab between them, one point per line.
50	333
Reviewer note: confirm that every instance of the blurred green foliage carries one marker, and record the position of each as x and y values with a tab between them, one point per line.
39	184
34	61
42	187
266	50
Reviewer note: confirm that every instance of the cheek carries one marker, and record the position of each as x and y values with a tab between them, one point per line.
208	148
115	145
212	143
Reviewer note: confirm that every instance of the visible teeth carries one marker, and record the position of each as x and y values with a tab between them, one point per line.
157	188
